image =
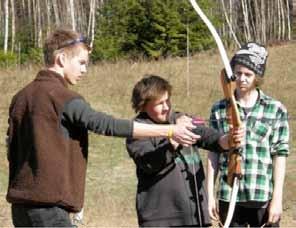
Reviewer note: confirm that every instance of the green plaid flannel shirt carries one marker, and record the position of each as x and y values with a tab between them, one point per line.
267	135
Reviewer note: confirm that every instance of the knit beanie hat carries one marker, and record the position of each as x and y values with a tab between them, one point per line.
252	56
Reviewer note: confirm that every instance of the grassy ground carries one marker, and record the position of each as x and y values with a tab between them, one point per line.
111	181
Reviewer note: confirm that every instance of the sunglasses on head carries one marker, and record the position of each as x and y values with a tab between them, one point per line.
81	39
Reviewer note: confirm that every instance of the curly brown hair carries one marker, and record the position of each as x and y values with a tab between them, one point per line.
150	87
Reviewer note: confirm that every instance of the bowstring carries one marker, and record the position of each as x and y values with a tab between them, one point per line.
196	189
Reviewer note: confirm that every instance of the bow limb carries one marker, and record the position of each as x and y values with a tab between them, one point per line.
231	207
227	80
216	37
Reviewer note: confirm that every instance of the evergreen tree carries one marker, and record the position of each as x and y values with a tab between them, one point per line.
164	30
118	29
154	29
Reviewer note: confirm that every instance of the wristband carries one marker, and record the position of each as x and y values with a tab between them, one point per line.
170	132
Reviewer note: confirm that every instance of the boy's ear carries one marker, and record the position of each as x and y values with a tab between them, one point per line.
60	59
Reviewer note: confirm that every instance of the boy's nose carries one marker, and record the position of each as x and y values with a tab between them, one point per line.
166	106
83	69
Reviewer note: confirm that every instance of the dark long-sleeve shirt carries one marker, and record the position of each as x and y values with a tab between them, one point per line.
169	179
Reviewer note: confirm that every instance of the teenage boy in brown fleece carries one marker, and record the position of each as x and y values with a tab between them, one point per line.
48	136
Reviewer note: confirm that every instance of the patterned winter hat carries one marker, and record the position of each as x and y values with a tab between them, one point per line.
252	56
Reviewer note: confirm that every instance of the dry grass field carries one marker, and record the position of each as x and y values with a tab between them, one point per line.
111	182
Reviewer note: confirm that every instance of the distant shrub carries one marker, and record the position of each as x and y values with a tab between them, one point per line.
34	55
106	49
8	59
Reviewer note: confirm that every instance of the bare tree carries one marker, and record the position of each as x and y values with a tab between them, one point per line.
39	26
263	22
229	21
244	20
282	21
30	20
48	15
72	13
6	18
279	19
1	19
260	20
56	12
288	19
92	21
12	25
254	18
23	4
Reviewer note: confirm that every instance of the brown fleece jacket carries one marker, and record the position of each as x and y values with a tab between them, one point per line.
48	143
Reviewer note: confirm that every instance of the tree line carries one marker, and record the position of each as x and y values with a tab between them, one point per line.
140	28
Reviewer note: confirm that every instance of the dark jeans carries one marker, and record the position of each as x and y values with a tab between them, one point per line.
33	216
244	216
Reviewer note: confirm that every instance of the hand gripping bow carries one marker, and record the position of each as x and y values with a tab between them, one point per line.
228	84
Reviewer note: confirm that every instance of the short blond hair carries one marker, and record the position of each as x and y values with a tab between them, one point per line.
259	81
63	40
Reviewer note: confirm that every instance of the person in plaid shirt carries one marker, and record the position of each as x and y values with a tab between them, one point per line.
259	200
